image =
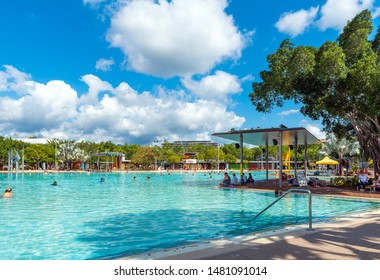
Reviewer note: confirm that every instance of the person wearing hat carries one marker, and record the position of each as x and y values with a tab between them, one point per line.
8	193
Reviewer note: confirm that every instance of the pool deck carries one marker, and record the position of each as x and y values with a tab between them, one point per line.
355	237
273	184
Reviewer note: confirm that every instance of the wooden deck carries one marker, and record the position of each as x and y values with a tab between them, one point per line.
273	184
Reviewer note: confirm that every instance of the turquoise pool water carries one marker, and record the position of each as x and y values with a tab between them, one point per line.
83	218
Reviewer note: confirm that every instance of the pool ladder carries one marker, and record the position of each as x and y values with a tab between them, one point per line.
282	196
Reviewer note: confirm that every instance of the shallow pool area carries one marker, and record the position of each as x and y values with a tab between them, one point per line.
83	218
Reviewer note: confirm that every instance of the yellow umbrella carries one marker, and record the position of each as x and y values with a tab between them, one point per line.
327	161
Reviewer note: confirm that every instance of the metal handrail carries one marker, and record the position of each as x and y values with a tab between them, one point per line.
285	193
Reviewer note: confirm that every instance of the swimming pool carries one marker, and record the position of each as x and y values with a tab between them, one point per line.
83	218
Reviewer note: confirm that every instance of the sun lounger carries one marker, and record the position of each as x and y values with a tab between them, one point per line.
302	181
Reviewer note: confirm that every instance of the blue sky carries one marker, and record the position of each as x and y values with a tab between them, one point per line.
137	71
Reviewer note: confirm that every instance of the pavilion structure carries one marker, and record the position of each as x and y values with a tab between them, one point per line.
109	165
271	137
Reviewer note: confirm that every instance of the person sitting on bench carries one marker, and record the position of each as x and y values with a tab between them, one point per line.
363	179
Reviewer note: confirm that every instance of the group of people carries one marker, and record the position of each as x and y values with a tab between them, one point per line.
227	181
8	192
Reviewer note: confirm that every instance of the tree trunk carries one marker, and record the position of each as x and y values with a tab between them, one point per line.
340	164
368	134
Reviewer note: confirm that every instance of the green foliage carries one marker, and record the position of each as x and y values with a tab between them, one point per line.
344	182
337	83
144	157
231	158
342	147
6	144
173	158
230	151
89	147
36	154
69	152
338	182
355	168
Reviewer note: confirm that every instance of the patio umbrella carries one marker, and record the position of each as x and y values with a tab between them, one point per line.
327	161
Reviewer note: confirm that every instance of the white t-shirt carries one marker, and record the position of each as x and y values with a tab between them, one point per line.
363	177
235	180
244	179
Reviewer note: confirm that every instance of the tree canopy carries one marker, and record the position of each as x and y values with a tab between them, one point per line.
65	152
338	83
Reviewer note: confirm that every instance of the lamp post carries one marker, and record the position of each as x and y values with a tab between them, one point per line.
218	157
23	161
55	156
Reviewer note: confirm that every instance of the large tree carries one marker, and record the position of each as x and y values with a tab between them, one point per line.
144	157
338	83
37	153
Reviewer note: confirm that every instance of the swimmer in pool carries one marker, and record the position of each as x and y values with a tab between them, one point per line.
8	193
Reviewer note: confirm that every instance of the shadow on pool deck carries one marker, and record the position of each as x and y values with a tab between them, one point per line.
357	239
353	238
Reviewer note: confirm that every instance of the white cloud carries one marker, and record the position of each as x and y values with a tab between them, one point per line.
43	106
121	115
95	86
104	64
13	80
376	12
336	13
289	112
175	38
141	117
316	131
313	128
247	78
296	23
214	87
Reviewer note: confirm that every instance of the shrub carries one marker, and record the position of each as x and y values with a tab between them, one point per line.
348	182
338	182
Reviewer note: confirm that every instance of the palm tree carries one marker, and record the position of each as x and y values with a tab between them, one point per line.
341	146
69	152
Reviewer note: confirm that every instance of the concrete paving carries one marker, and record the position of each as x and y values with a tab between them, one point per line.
355	237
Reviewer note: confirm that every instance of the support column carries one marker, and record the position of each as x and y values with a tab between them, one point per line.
23	161
266	159
280	167
16	159
295	181
106	163
305	159
9	163
241	154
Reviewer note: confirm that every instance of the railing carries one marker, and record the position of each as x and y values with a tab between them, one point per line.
287	192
